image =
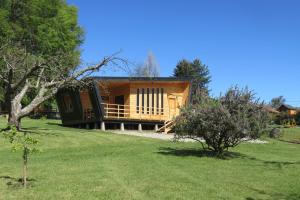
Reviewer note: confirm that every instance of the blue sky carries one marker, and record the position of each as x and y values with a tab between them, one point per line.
254	43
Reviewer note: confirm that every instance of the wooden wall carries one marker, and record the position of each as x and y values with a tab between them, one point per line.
177	91
85	100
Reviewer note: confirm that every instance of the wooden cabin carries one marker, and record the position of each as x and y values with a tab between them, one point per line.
290	110
125	101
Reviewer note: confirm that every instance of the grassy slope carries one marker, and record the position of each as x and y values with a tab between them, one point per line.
81	164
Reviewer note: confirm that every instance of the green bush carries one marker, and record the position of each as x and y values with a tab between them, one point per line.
224	122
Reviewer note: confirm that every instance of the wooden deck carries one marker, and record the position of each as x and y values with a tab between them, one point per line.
117	111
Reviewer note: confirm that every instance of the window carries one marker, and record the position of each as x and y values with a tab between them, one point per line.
138	101
143	100
162	100
148	101
152	101
157	101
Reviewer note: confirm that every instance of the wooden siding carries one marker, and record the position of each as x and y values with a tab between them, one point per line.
175	95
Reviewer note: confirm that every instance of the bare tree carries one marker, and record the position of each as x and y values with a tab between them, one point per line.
150	68
23	72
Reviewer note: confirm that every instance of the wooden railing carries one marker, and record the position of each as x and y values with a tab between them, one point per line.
136	112
116	110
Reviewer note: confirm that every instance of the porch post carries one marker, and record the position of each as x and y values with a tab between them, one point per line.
156	127
122	126
102	126
140	128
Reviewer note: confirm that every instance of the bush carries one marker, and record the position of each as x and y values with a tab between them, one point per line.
275	133
286	120
224	122
297	118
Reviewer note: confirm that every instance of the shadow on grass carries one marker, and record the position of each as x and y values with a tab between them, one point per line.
40	131
227	155
290	141
17	182
54	124
275	196
197	153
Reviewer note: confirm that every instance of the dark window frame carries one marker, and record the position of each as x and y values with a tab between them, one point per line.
138	100
157	101
153	100
162	101
148	101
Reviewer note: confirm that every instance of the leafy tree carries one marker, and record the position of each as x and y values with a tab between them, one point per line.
224	122
197	71
150	68
39	52
277	101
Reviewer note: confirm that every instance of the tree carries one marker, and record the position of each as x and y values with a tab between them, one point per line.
150	68
277	101
197	71
24	142
39	52
224	122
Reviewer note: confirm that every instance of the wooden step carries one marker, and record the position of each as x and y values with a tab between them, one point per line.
167	127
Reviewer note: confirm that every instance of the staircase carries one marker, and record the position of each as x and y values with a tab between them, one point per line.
167	127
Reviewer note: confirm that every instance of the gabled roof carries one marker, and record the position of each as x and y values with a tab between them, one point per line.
124	78
269	108
287	106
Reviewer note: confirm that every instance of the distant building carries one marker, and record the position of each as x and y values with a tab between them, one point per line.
290	110
270	109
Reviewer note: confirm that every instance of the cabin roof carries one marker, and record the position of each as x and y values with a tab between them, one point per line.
269	108
123	78
288	107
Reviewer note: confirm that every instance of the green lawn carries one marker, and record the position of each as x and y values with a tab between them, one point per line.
82	164
291	135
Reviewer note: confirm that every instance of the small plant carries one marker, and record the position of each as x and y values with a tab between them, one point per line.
21	140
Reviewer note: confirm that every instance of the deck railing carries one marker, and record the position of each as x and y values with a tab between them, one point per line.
135	112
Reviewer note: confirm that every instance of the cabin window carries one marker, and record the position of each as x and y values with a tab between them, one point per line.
162	100
138	101
148	101
157	101
152	101
143	100
67	102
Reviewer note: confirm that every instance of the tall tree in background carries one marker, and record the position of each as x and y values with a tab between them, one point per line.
277	101
197	71
39	52
150	68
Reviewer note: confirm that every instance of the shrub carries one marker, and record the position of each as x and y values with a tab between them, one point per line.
224	122
275	133
297	118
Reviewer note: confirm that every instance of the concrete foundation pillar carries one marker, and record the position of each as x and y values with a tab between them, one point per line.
102	126
87	126
122	127
156	127
140	128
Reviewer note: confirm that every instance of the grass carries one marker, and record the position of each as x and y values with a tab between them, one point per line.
90	164
291	135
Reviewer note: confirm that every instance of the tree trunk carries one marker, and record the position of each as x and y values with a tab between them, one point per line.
25	160
13	115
